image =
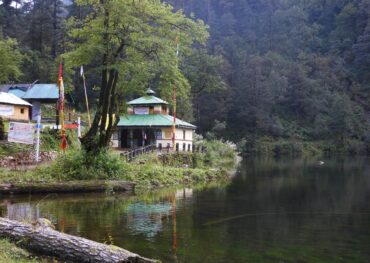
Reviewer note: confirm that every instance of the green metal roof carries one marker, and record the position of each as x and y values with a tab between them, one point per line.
147	100
42	92
151	120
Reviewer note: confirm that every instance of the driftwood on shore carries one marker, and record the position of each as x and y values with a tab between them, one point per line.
67	187
41	237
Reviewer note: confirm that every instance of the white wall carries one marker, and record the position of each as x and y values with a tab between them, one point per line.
115	142
179	138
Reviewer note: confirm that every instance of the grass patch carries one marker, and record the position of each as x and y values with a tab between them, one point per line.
10	253
149	171
49	141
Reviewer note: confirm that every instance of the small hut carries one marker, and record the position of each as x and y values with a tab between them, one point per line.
36	94
14	108
148	123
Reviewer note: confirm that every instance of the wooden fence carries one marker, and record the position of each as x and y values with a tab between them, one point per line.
134	153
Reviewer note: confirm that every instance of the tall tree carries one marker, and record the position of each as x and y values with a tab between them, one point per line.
11	59
129	42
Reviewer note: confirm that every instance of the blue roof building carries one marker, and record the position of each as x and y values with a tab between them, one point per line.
36	94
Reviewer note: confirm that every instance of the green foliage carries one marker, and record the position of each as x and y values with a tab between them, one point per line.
287	70
11	59
7	149
140	43
294	71
50	140
130	43
147	171
218	154
10	253
79	165
272	147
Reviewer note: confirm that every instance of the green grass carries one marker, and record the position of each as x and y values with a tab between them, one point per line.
10	253
151	174
149	171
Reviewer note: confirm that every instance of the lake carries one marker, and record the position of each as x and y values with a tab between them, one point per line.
273	210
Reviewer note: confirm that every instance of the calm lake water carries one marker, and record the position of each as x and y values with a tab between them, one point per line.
273	211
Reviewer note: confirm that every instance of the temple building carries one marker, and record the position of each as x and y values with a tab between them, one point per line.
148	123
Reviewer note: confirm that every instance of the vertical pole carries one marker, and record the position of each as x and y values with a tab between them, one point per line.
143	138
87	101
57	115
79	127
174	119
131	136
174	98
38	127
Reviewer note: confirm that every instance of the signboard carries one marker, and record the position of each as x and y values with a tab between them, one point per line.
141	110
6	110
21	132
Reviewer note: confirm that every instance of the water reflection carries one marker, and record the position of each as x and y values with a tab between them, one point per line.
274	211
147	219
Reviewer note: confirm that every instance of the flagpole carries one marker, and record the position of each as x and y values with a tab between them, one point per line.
63	144
86	99
175	99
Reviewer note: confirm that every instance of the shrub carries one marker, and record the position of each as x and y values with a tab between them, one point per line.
219	154
50	140
78	165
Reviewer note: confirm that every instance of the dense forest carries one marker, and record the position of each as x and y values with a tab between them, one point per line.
272	70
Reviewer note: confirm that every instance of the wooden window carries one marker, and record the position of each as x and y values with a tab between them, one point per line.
184	134
168	134
22	110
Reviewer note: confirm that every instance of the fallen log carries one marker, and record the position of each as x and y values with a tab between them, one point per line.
66	187
41	237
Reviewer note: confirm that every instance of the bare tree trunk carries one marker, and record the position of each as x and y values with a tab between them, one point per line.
42	238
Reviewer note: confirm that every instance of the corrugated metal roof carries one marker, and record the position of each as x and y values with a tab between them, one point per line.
42	91
21	86
146	100
17	92
152	120
8	98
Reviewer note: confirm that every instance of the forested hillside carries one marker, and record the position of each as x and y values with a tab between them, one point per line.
294	69
272	70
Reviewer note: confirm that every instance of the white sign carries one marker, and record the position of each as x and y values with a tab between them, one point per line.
141	110
36	110
21	132
6	110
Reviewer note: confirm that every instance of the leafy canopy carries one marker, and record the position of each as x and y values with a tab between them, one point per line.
136	38
11	59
